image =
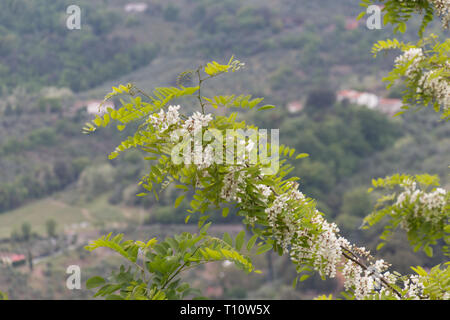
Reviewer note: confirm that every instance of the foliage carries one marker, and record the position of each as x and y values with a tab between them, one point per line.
3	296
436	281
135	109
28	114
320	99
424	68
156	267
269	202
26	231
398	12
43	50
337	153
50	226
419	208
39	182
422	213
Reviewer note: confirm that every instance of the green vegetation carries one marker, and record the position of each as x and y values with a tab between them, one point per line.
53	178
37	48
278	215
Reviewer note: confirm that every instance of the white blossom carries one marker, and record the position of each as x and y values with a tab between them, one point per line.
426	204
442	8
413	56
437	87
163	120
414	287
265	191
231	184
196	122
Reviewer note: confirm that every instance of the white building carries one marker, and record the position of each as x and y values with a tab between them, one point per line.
294	107
136	7
93	106
371	101
96	106
366	99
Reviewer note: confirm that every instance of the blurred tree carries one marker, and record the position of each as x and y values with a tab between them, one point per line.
26	231
50	226
356	202
320	100
171	12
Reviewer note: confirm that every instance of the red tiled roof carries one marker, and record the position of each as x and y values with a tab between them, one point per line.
14	257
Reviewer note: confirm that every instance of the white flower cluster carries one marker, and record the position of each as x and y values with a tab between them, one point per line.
206	156
239	150
196	122
443	10
203	157
437	87
429	205
323	250
163	120
231	184
413	56
318	245
282	218
327	247
365	283
321	246
235	177
359	280
414	287
429	84
264	191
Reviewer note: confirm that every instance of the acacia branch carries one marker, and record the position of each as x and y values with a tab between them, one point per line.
199	95
356	260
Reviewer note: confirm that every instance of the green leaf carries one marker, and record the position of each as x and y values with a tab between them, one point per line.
142	194
428	251
294	283
160	249
205	228
251	242
225	212
173	243
264	248
183	287
227	238
179	200
304	277
301	155
95	282
106	242
362	14
240	240
420	271
182	187
266	107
